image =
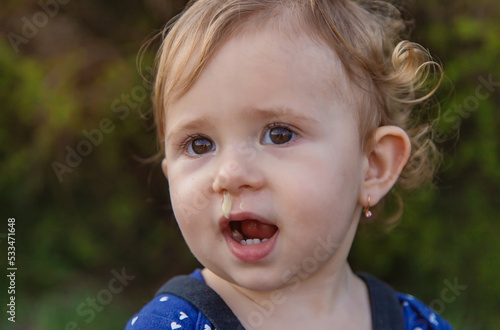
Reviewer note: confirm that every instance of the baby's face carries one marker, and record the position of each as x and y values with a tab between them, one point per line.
267	122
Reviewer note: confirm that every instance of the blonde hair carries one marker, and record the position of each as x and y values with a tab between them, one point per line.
397	76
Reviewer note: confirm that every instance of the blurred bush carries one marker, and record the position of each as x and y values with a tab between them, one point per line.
76	127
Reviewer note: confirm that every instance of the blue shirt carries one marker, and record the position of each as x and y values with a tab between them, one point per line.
170	312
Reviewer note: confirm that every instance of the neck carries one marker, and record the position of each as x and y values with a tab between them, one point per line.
325	298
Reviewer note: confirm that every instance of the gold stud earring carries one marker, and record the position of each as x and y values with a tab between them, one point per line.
366	210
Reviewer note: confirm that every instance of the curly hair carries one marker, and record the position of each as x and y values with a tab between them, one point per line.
397	76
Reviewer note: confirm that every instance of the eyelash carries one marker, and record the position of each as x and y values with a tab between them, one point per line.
280	125
190	138
275	125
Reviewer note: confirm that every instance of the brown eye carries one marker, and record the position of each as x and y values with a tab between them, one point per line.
278	135
200	146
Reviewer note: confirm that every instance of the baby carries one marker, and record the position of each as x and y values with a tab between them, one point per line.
283	123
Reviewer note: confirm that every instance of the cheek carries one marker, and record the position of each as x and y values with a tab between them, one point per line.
190	207
190	201
322	192
328	179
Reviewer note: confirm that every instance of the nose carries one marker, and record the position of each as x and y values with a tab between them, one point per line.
235	173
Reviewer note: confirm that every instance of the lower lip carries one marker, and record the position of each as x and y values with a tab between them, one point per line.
253	252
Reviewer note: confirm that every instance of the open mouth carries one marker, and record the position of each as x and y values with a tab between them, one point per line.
251	232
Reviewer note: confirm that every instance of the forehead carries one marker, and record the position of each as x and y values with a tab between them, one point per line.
276	58
292	54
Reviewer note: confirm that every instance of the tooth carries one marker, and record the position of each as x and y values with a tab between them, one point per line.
243	242
256	241
237	236
249	241
226	205
265	240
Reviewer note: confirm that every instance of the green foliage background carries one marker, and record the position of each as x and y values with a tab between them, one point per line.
112	210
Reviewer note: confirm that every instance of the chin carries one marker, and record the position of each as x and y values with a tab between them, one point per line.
258	280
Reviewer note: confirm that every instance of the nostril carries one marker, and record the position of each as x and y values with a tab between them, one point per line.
216	186
234	171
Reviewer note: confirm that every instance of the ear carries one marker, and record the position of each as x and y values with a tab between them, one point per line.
385	161
164	167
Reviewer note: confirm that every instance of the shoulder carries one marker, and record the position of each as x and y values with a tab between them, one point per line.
419	316
168	312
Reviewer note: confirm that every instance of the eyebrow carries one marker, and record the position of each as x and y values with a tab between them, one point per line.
279	113
189	124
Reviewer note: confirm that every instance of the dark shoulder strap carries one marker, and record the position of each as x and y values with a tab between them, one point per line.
387	313
205	299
